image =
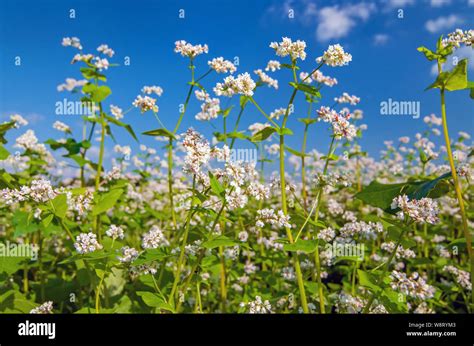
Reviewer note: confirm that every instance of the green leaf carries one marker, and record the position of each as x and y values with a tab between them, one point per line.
294	152
121	124
263	134
429	54
243	101
219	241
59	205
97	93
23	224
381	195
306	88
368	280
216	187
452	80
4	153
284	131
90	73
107	201
155	301
161	132
307	246
307	121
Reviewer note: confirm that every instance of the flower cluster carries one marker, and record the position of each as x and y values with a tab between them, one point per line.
273	65
287	47
243	85
459	37
335	56
45	308
258	306
414	286
154	89
129	254
422	210
40	191
86	243
268	216
115	232
222	66
106	50
187	49
145	104
210	108
346	98
154	238
341	126
461	276
264	78
198	151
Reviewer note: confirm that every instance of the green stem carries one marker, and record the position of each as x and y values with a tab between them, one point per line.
392	255
183	245
457	187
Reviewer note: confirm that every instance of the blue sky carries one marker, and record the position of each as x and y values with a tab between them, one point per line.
385	62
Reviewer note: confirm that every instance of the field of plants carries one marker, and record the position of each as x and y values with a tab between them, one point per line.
241	222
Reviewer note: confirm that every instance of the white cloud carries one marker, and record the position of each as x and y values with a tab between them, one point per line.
337	21
442	23
470	2
439	3
458	55
380	39
399	3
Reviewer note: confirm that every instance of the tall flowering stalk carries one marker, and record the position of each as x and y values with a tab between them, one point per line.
456	79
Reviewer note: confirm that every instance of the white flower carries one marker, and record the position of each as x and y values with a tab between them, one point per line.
129	254
124	150
422	210
82	57
222	66
461	276
326	80
258	306
86	243
459	37
269	216
154	89
198	151
243	84
287	47
72	42
264	78
187	49
19	120
335	56
45	308
414	286
326	234
60	126
273	65
101	64
154	238
145	104
243	236
115	232
346	98
106	50
116	112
